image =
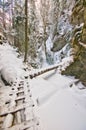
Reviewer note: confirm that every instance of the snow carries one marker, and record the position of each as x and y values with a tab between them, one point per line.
49	44
79	26
82	44
8	121
65	62
60	103
10	65
59	106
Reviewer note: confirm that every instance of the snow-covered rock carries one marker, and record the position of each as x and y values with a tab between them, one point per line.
11	67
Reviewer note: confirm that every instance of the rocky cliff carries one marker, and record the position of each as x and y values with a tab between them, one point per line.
50	28
78	43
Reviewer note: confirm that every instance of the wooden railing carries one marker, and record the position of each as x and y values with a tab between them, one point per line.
42	71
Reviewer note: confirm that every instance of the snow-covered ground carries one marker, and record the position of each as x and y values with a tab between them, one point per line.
59	106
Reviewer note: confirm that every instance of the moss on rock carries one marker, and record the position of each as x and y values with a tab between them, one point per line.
78	67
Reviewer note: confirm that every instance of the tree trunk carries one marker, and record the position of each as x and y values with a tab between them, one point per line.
4	16
26	30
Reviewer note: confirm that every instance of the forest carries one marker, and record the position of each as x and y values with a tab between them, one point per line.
42	64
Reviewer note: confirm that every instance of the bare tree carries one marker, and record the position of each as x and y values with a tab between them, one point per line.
4	16
44	15
26	30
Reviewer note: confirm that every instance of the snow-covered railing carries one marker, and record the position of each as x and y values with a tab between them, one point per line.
60	66
42	71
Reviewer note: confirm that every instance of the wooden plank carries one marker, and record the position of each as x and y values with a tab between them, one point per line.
15	109
21	91
24	125
8	121
42	72
18	117
20	98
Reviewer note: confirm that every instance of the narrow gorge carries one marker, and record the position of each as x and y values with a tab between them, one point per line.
58	30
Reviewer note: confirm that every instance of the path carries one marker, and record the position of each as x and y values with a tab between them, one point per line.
61	104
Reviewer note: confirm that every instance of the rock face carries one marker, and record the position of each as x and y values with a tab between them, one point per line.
58	43
78	19
62	35
49	20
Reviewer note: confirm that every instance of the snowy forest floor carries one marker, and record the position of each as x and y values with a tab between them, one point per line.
60	101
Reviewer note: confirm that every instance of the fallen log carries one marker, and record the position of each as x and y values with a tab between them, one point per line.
43	71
